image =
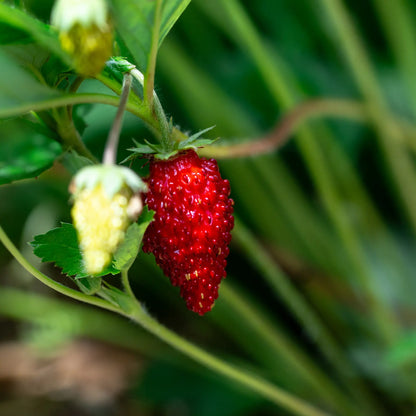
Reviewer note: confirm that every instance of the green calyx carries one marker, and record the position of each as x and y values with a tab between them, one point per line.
157	151
111	178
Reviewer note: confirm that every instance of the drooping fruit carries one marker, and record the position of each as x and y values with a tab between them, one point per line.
190	234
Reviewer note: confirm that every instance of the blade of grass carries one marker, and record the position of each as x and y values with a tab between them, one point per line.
398	23
237	374
246	35
401	167
262	327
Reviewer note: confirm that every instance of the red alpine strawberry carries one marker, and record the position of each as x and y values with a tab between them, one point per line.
190	234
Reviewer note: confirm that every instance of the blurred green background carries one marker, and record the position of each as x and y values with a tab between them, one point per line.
319	297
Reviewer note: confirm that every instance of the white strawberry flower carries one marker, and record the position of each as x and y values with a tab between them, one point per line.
106	201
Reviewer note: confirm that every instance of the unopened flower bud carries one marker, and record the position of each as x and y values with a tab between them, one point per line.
102	212
85	33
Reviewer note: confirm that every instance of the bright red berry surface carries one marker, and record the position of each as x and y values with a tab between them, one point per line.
190	234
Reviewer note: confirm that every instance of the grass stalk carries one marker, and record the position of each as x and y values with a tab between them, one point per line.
398	160
246	36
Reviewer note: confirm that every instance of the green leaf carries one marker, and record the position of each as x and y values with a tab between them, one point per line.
25	150
196	140
172	10
89	285
60	246
199	134
127	252
134	22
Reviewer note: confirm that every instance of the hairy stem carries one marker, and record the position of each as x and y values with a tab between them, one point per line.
126	283
254	383
158	115
64	290
70	136
308	110
241	376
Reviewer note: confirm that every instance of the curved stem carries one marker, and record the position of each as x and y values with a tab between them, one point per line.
64	290
72	99
110	152
126	283
263	328
293	119
282	287
243	377
254	383
87	322
304	313
317	108
69	134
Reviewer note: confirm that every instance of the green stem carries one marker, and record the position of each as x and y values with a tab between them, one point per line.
110	153
72	90
241	376
69	134
280	284
278	137
88	322
263	328
149	79
82	98
159	115
306	111
126	283
304	313
69	99
64	290
254	383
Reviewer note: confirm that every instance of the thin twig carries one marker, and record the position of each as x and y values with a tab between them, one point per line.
64	290
279	136
110	152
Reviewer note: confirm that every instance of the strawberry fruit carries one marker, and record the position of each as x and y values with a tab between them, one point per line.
190	234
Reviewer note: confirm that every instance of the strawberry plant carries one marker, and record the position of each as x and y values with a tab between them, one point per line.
257	155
